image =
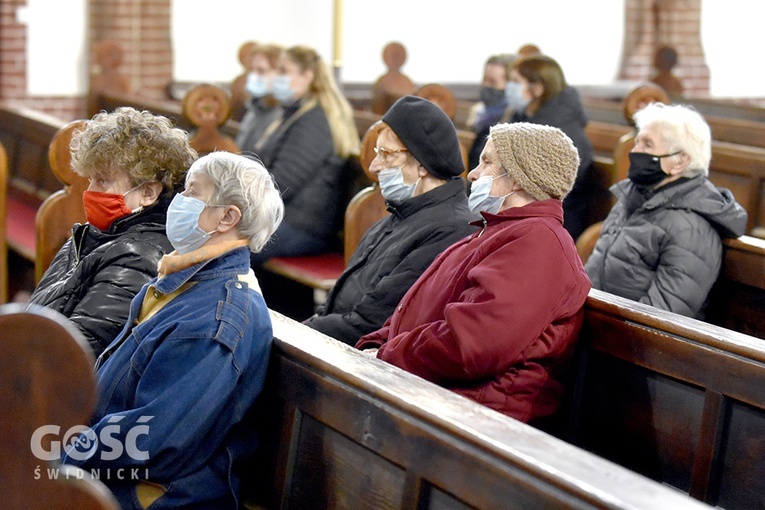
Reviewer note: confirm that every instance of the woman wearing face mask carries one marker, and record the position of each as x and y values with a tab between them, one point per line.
306	150
135	161
495	317
193	356
418	165
542	96
494	106
661	242
262	109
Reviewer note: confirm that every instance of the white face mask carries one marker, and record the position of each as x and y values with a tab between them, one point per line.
481	200
257	85
182	225
282	88
392	185
514	95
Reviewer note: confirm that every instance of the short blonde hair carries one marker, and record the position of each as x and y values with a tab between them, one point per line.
144	145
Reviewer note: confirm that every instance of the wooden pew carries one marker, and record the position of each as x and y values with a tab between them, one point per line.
26	136
733	128
675	399
349	431
46	378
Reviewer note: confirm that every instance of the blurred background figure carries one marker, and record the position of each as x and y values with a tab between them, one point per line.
544	97
306	150
494	106
262	109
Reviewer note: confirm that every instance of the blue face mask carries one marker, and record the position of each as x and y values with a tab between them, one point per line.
480	200
282	88
392	185
514	95
183	224
256	85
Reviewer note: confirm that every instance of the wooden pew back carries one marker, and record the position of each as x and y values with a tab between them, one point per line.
46	378
26	136
350	431
62	209
3	228
675	399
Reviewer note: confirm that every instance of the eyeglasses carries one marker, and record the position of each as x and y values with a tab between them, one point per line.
387	153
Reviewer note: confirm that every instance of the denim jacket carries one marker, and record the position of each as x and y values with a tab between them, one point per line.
175	389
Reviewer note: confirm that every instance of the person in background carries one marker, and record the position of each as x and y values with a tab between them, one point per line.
661	242
306	150
135	161
418	164
544	97
496	316
494	106
262	109
192	357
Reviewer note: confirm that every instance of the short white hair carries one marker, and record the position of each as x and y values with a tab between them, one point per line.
683	129
245	183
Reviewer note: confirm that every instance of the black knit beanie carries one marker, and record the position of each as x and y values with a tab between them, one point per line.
428	133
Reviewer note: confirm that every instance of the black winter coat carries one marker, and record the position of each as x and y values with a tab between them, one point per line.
96	274
390	257
301	156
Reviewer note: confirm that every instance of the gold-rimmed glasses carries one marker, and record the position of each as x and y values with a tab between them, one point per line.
385	154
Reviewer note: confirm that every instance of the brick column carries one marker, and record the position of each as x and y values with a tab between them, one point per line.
13	44
142	29
651	24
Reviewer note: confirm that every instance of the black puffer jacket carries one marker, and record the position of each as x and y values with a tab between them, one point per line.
95	275
393	253
668	252
565	112
301	155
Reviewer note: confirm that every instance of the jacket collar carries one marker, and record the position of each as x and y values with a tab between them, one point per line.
550	208
234	262
450	189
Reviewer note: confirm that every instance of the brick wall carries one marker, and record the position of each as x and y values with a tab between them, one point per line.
651	24
13	69
142	28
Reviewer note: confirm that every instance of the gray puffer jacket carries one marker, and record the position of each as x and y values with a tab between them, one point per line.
667	253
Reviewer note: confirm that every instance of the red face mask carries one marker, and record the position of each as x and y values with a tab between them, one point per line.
102	209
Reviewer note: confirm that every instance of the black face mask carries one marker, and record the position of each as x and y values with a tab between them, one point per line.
491	96
645	169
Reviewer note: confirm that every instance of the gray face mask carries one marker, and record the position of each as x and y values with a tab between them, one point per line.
392	185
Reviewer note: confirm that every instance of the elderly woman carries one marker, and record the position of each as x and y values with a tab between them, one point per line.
135	162
192	358
660	244
495	316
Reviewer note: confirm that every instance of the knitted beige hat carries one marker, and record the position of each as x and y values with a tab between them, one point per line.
541	159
